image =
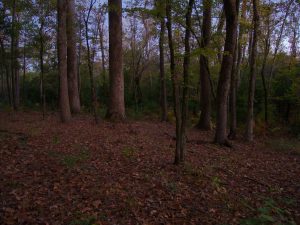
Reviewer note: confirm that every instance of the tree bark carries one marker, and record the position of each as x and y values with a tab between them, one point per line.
163	88
6	66
235	75
90	65
231	13
175	82
252	78
205	94
72	59
116	108
186	74
65	112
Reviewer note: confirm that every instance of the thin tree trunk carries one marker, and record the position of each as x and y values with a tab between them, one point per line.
90	66
163	88
235	75
252	78
8	86
65	112
186	74
205	94
231	13
72	58
24	75
42	91
116	108
13	55
174	76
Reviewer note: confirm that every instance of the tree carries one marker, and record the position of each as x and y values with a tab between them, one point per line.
252	78
90	66
235	74
231	13
163	89
116	108
205	94
65	112
72	59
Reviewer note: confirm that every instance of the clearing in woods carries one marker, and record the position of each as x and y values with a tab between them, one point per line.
82	173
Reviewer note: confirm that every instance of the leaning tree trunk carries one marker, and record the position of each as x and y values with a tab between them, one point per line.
175	82
65	112
72	59
252	79
116	108
205	94
231	13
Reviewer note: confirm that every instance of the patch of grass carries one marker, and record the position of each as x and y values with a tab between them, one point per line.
284	145
269	213
56	140
172	186
74	159
129	152
192	171
85	221
80	154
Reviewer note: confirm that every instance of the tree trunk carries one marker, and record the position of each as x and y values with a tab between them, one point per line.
235	75
90	66
163	88
231	13
65	112
175	82
252	78
6	66
116	108
42	90
186	74
13	56
72	59
205	94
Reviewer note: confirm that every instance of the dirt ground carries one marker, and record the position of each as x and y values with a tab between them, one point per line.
113	173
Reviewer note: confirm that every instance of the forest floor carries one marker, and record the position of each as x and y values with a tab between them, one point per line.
113	173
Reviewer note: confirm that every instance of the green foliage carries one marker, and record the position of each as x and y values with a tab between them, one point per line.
270	213
86	221
129	152
284	145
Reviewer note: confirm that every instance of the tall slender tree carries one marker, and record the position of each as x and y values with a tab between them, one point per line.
252	78
72	59
205	94
65	112
116	107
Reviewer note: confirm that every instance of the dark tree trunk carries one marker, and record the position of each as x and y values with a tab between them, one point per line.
231	13
205	94
65	112
72	59
14	63
163	88
252	78
116	108
42	90
6	66
175	82
90	66
186	74
235	75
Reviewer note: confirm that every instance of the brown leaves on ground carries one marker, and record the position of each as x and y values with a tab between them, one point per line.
82	173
